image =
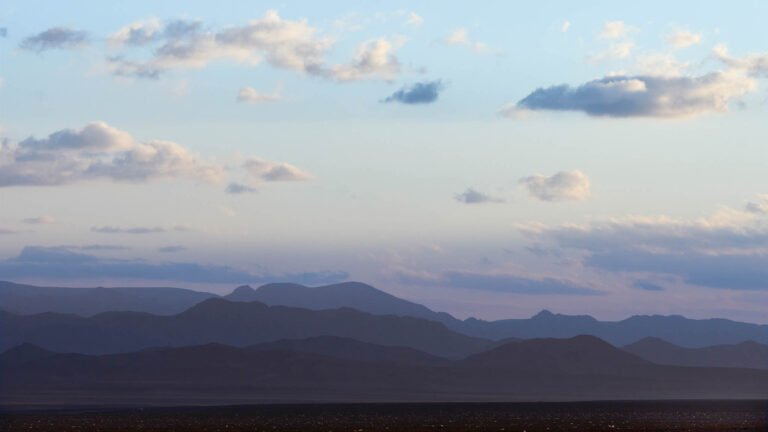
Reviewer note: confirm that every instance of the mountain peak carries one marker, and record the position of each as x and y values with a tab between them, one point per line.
543	314
243	289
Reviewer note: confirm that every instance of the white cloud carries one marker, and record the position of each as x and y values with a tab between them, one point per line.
566	26
252	96
137	33
615	30
562	186
98	151
682	39
617	50
373	59
260	169
414	20
283	43
754	64
460	37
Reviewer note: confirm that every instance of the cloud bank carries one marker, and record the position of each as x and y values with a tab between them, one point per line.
61	263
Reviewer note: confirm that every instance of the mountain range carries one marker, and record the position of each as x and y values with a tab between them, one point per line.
678	330
332	369
232	323
747	354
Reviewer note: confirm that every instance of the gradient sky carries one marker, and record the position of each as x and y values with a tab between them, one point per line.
487	160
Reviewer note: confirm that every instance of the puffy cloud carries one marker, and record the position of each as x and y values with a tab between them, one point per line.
61	263
286	44
239	188
98	151
682	39
373	59
460	37
138	33
252	96
641	96
565	27
495	282
561	186
471	196
131	230
268	171
40	220
759	206
615	30
420	93
55	38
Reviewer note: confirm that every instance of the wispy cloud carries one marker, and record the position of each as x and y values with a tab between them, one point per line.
460	37
40	220
55	38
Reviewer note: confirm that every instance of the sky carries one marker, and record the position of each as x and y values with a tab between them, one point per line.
487	160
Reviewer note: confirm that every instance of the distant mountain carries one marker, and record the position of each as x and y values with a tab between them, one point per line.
353	295
744	355
25	299
582	368
232	323
29	299
675	329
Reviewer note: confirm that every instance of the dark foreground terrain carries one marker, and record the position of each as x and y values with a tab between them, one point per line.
577	416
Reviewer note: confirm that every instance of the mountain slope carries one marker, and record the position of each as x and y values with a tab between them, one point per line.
744	355
233	323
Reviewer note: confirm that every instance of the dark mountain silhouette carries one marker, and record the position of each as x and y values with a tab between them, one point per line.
580	354
353	295
232	323
25	299
350	349
29	299
744	355
675	329
573	369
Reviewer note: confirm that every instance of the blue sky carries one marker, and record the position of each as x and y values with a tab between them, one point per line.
488	160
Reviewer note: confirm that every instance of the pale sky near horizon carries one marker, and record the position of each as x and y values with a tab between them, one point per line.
487	160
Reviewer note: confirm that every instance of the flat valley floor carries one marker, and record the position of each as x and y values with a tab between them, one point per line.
531	417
